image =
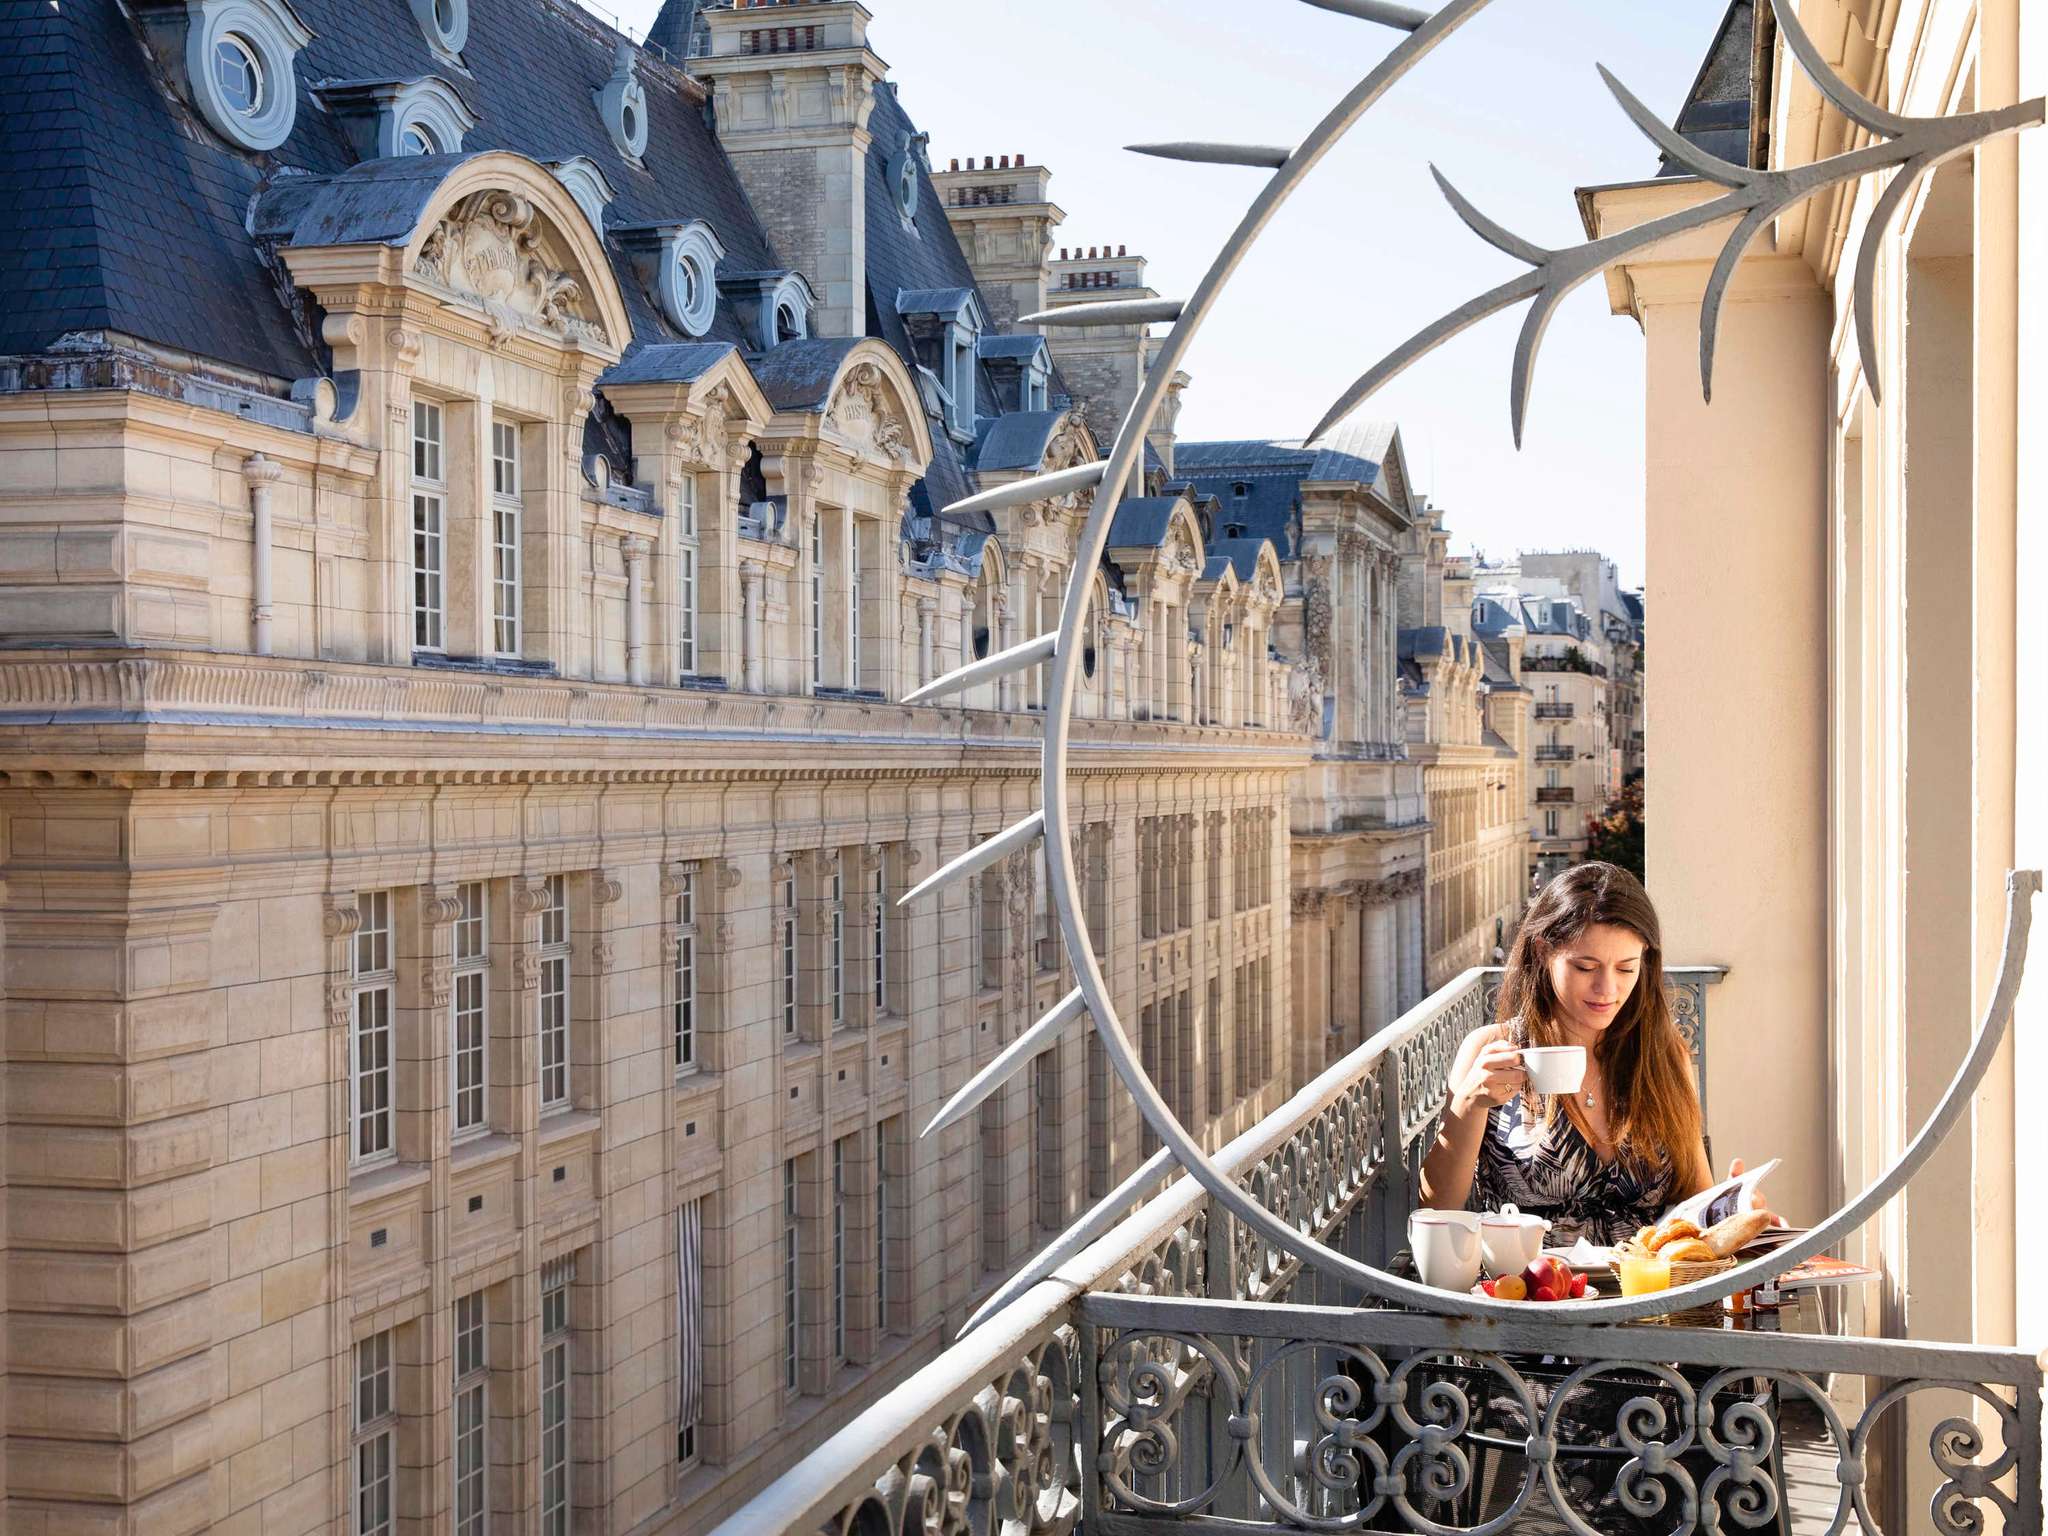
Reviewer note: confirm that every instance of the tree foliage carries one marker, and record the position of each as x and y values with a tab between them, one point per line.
1616	834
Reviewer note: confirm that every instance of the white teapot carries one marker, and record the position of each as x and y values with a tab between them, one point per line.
1510	1241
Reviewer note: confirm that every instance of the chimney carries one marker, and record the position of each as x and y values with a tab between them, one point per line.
821	97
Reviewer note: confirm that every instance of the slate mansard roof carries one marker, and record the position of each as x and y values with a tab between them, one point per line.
132	216
1271	475
130	212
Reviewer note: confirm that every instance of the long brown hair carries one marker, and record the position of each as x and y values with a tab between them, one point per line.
1654	1116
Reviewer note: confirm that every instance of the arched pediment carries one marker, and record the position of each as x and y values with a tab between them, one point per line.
492	230
503	232
873	409
1180	552
993	568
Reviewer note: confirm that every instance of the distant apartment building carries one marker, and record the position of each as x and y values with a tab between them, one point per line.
1582	663
1468	726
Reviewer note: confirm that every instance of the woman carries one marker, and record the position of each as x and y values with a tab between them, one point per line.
1587	969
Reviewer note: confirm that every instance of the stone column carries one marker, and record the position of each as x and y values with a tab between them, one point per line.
927	618
1345	966
1381	973
750	624
1302	1054
1410	939
999	622
261	474
634	550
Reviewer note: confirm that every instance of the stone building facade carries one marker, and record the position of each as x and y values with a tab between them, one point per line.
464	1058
1468	726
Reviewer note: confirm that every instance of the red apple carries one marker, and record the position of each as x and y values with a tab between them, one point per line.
1548	1279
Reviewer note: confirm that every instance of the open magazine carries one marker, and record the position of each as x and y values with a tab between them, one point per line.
1719	1201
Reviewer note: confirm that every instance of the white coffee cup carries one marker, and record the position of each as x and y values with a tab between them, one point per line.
1510	1241
1555	1069
1446	1248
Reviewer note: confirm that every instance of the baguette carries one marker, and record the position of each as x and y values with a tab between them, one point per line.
1727	1237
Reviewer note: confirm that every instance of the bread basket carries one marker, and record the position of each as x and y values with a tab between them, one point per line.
1684	1272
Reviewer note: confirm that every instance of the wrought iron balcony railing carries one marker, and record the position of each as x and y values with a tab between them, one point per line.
1555	754
1557	794
1554	711
1177	1372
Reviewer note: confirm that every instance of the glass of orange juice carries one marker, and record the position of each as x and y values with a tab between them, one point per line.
1643	1273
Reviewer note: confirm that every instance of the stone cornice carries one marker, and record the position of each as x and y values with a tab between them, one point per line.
152	715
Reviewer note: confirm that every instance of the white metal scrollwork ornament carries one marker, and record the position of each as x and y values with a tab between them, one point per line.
1910	146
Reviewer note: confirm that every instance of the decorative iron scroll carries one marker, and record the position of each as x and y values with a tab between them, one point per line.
1339	1435
1915	144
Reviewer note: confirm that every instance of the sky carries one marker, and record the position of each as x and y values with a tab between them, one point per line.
1511	109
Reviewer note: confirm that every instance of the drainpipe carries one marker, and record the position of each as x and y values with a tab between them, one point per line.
635	551
261	474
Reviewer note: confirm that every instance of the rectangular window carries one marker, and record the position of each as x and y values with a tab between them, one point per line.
555	1509
884	1134
839	1162
1045	1155
837	920
429	516
1550	823
880	937
818	599
686	576
373	979
374	1445
853	608
506	509
472	1419
690	1294
686	972
785	902
792	1295
471	1031
554	994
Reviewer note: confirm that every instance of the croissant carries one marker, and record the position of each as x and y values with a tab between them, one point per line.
1676	1229
1727	1237
1688	1250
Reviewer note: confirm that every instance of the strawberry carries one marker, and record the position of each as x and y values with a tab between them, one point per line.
1578	1287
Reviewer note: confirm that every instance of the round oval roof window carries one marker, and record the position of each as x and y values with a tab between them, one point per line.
239	74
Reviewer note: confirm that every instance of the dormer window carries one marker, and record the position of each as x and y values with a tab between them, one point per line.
789	322
587	184
388	119
446	24
904	170
622	106
679	264
234	59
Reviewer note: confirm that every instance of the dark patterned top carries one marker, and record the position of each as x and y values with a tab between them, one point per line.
1553	1172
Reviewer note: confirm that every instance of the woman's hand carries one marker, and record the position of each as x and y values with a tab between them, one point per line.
1495	1076
1756	1195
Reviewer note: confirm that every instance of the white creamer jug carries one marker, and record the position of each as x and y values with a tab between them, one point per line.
1446	1248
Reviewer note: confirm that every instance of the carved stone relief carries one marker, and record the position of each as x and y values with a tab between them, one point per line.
489	250
864	413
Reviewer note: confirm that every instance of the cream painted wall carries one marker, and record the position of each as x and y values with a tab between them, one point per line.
1737	775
